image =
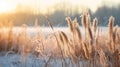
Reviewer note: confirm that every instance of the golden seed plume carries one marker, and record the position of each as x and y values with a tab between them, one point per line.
75	23
78	35
76	28
70	23
103	59
85	50
88	19
83	20
111	34
64	37
110	27
60	37
89	34
95	22
115	29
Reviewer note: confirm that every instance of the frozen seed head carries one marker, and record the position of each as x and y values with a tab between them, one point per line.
75	23
78	35
95	22
110	28
88	20
60	37
89	34
83	20
64	37
70	23
85	50
115	29
111	21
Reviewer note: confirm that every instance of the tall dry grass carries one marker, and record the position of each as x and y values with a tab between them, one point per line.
111	34
95	49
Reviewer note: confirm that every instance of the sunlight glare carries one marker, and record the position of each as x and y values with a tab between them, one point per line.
7	6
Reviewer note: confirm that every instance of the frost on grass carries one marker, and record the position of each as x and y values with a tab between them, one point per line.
73	46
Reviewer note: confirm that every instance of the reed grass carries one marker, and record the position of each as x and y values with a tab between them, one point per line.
111	34
95	22
70	24
95	49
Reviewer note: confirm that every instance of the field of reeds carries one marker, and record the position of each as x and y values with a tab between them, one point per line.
59	48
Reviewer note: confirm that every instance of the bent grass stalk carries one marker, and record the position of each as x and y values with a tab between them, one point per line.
49	23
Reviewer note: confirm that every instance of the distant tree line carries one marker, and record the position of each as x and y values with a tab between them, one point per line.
58	17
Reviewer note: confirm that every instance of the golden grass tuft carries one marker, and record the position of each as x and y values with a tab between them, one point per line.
111	35
95	22
83	20
89	34
88	20
86	51
70	23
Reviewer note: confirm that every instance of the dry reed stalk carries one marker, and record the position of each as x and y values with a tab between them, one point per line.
49	23
110	33
70	24
60	38
76	38
78	35
83	20
89	34
86	51
77	32
118	36
88	19
116	58
68	49
75	23
90	41
58	44
79	41
103	59
64	37
72	27
115	33
116	28
64	40
95	22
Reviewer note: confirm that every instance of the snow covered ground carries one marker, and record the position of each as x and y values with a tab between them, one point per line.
10	59
17	60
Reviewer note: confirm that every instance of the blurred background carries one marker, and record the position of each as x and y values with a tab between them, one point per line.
26	11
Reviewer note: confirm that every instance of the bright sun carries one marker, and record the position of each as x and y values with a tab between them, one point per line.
6	6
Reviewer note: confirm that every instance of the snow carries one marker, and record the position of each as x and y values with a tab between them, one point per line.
11	59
